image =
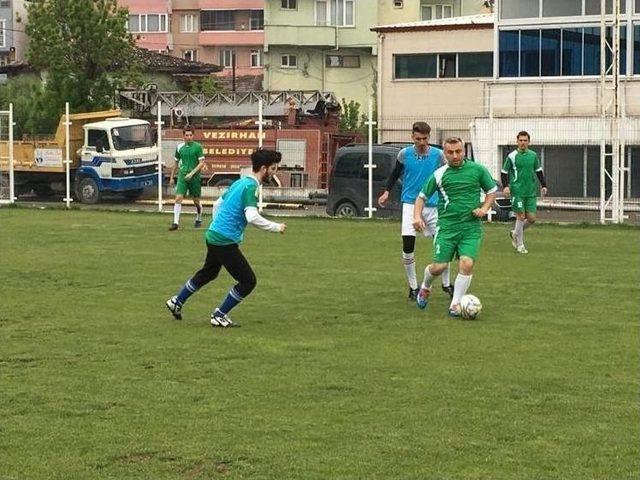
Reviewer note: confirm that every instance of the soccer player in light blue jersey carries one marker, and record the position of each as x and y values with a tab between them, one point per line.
415	164
232	212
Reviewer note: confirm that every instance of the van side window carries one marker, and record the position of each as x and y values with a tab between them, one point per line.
349	166
384	162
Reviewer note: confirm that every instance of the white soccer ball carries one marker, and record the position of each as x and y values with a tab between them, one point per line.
470	307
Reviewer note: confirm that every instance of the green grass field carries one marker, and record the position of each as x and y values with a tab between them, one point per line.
333	375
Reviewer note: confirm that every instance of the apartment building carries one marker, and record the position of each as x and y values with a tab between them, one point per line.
7	50
149	23
328	44
222	32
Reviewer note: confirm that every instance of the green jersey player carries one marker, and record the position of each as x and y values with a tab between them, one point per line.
189	159
518	175
459	229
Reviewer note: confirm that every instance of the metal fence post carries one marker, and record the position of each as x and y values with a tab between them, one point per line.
370	166
159	124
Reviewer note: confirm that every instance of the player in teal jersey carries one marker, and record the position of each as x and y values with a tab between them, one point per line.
232	212
459	230
189	159
414	165
518	177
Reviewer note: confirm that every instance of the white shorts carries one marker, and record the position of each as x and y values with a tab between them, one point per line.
429	215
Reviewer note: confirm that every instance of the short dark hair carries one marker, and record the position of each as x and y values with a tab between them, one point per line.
452	140
187	128
266	158
421	127
524	133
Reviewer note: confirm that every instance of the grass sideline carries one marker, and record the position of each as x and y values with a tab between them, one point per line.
333	374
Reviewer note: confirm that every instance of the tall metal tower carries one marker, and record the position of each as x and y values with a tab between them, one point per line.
612	143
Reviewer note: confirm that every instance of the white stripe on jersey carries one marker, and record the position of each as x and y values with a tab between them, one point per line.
438	178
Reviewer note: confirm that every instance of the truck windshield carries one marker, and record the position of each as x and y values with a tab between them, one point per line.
132	136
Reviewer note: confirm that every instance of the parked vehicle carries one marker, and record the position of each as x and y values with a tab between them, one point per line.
108	153
348	193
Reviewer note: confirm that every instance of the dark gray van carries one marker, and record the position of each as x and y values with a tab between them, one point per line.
348	193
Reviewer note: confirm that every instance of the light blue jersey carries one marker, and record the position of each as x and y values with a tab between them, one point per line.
417	169
229	222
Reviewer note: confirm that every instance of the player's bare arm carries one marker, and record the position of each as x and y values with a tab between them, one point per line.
418	222
486	206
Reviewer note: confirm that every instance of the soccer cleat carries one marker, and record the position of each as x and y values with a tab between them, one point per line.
448	290
175	308
413	292
174	226
522	249
422	299
219	319
198	223
512	235
455	311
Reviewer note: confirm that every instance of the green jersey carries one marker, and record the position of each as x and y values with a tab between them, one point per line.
459	192
188	155
522	168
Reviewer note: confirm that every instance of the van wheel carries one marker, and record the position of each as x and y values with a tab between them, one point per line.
87	191
346	210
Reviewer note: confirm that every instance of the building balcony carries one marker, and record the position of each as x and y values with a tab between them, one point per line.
305	36
563	97
231	37
229	4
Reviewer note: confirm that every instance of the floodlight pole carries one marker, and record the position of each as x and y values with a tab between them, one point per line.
159	124
260	124
67	160
370	166
12	197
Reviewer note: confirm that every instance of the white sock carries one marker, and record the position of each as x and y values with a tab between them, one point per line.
198	212
177	208
428	278
519	232
446	279
460	288
409	262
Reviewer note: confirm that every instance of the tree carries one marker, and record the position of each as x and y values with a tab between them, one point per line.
83	47
351	121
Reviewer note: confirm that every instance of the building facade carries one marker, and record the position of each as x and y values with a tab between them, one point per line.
547	80
432	70
7	50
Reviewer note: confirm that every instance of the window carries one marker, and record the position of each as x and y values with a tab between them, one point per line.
227	57
591	51
95	137
342	61
257	20
509	45
447	65
398	3
289	61
433	12
416	66
335	12
530	53
217	20
571	51
256	58
148	23
519	8
349	166
3	40
565	8
294	153
550	53
190	55
593	7
476	64
5	3
444	65
289	4
636	49
188	23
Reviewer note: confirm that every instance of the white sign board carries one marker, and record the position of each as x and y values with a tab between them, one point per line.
48	157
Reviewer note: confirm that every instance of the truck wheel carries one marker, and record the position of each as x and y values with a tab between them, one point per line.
133	194
346	210
87	191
